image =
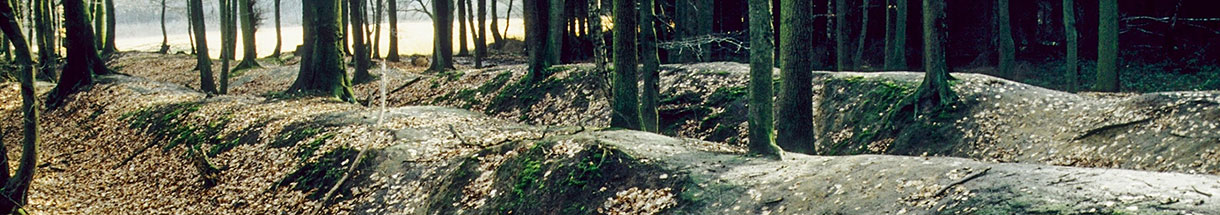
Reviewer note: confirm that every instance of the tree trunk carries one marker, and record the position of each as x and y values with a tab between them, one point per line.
99	27
45	34
1071	60
652	63
933	94
164	35
480	41
1007	48
461	10
840	35
83	61
345	11
392	54
761	69
509	14
279	38
249	50
225	51
896	36
795	109
860	44
442	59
497	38
110	29
1107	47
376	47
536	27
322	68
190	26
16	187
359	47
554	38
625	105
693	18
596	35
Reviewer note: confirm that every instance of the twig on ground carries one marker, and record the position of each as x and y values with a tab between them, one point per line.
942	190
346	175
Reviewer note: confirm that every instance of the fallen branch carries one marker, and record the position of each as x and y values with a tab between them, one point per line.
134	154
369	100
458	136
346	175
942	190
1095	131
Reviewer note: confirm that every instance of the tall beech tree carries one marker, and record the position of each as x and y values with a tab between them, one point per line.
933	94
1007	48
202	61
83	61
554	38
794	127
649	100
762	63
110	49
858	59
596	35
392	54
536	28
16	186
164	35
625	103
279	37
461	10
1107	47
249	24
359	47
896	35
480	40
322	68
442	58
840	7
1072	44
496	37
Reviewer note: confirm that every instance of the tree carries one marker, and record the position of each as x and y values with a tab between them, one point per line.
794	124
322	68
249	24
1004	37
279	38
933	94
99	27
840	35
45	35
595	34
554	38
625	104
164	35
226	51
379	7
359	47
1069	31
761	69
480	41
1107	47
17	186
896	36
461	8
497	38
392	54
203	61
535	12
652	63
82	62
442	59
859	58
110	29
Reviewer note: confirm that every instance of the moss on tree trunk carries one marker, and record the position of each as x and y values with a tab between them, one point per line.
322	68
1107	47
761	120
625	103
651	70
794	127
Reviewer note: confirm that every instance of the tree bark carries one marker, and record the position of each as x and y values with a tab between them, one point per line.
896	36
794	126
322	68
497	38
761	120
45	34
17	186
99	27
651	70
554	38
480	41
164	34
1071	60
625	105
863	38
110	29
536	16
359	47
1107	47
279	38
392	53
249	50
1007	48
82	62
596	35
442	59
840	35
461	10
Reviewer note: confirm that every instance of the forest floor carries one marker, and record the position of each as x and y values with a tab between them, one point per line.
475	141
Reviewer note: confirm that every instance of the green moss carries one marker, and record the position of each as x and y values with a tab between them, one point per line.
524	94
317	177
470	97
170	122
293	134
308	150
866	113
